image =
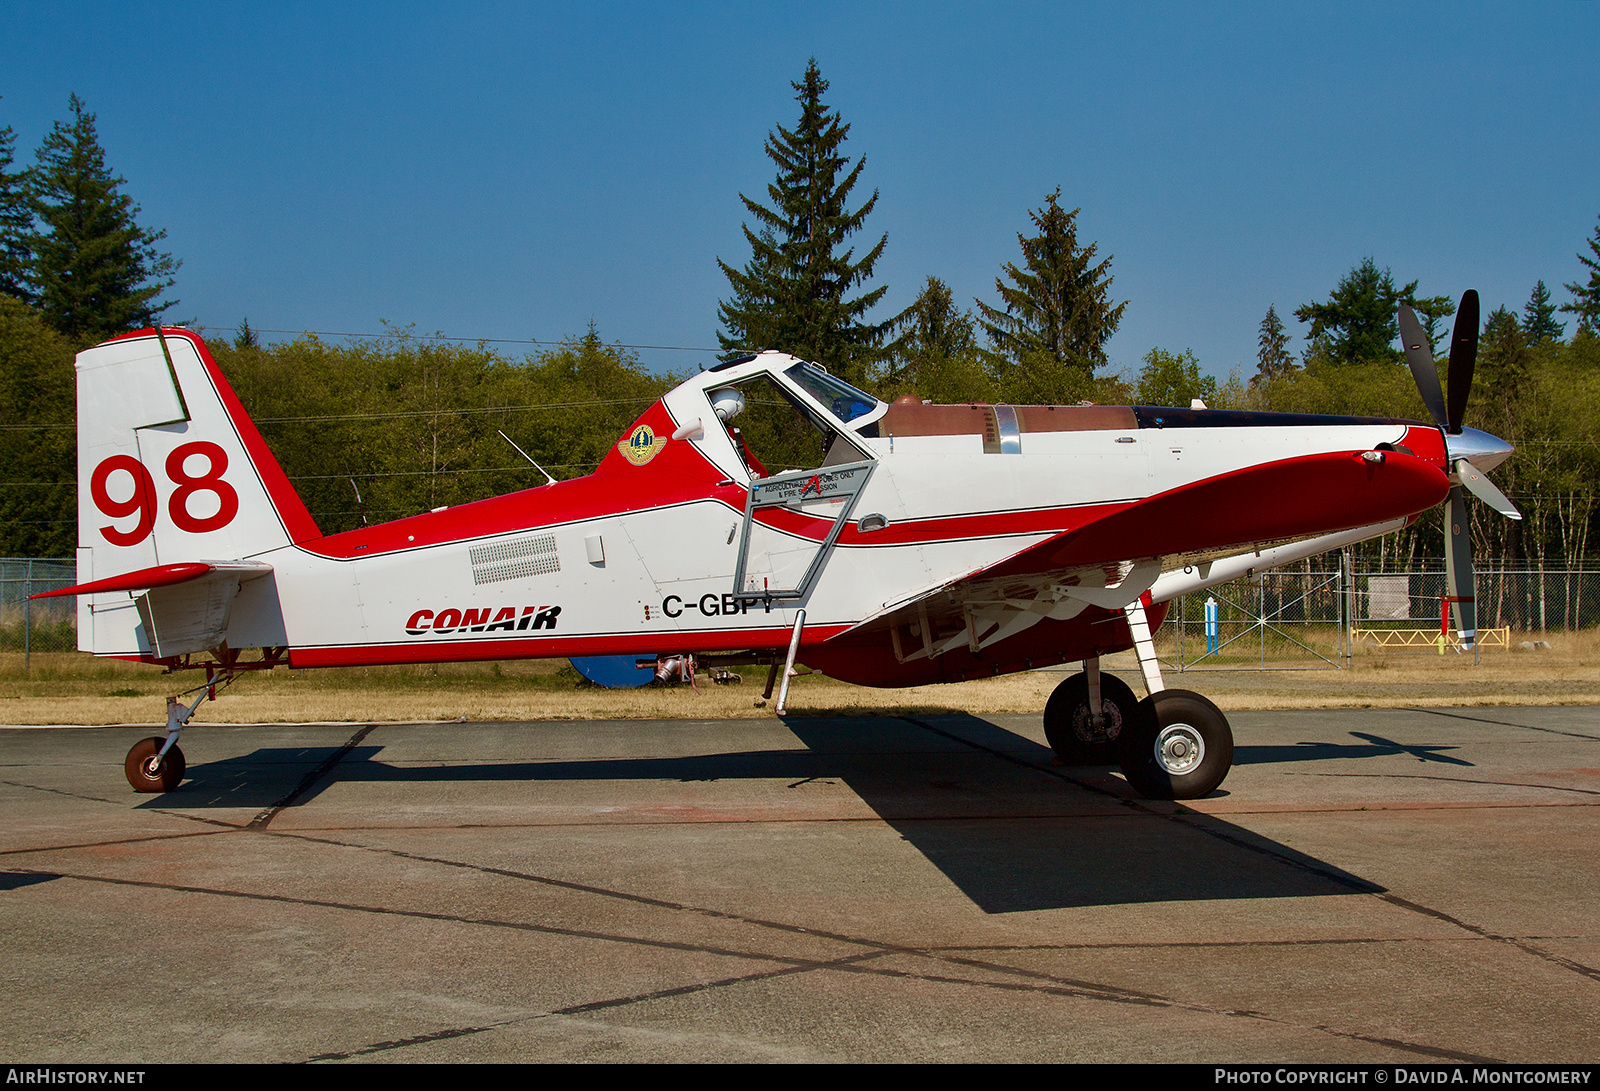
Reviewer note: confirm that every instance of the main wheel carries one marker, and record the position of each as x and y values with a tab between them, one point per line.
1180	748
147	773
1071	729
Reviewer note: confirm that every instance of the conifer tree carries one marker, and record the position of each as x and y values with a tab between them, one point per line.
96	271
1503	356
794	294
933	326
936	354
1360	321
1539	317
16	223
1586	297
1058	311
1273	347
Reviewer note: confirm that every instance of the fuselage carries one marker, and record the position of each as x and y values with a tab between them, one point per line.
696	536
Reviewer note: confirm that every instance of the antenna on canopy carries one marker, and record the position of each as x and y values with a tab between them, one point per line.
525	454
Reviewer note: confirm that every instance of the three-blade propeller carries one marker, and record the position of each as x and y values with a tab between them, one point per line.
1461	444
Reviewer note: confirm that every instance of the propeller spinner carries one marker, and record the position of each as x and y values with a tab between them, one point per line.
1469	450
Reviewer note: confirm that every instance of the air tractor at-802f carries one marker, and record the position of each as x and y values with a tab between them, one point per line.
762	511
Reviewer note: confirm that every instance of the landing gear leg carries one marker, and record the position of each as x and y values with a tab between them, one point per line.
156	764
1080	733
1179	745
788	663
1144	647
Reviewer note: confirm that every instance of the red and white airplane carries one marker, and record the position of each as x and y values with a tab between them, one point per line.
762	511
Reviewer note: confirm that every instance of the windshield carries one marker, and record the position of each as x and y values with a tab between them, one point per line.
842	400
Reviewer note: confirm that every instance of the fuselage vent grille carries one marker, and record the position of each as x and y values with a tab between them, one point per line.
515	559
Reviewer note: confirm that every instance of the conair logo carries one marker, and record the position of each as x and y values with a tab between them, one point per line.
505	619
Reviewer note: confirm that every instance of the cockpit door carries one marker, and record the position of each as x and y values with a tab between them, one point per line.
791	522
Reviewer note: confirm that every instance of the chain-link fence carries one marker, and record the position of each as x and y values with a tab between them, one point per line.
1316	614
1280	620
36	625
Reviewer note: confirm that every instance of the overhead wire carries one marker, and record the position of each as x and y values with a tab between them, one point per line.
406	335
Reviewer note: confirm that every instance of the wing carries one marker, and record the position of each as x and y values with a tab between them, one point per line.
1199	534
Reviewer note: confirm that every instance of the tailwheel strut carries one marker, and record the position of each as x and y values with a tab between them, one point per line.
157	764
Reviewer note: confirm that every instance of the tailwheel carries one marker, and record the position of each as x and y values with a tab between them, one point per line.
1180	748
1070	728
149	773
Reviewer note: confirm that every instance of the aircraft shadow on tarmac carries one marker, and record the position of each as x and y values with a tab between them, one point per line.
1372	746
981	803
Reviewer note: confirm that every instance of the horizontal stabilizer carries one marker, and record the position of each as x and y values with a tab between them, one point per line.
164	575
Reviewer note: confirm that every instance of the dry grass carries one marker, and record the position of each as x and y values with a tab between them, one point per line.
72	688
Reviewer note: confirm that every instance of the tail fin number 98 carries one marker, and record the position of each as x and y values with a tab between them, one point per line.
142	500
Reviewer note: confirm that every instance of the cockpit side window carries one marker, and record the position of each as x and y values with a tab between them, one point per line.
774	432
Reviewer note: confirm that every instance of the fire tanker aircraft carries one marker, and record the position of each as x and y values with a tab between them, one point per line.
762	511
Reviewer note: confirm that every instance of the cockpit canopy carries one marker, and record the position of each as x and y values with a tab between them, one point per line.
791	414
839	397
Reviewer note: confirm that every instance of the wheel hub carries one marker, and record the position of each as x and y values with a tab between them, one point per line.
1110	726
1179	749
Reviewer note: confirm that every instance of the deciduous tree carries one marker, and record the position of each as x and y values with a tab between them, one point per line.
37	501
1173	379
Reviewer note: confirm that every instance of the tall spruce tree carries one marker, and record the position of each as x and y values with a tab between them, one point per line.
1360	321
1503	357
16	223
1586	297
1272	347
1058	312
936	353
97	272
794	294
1539	317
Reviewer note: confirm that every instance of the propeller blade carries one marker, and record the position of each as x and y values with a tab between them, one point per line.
1419	357
1463	357
1485	490
1459	578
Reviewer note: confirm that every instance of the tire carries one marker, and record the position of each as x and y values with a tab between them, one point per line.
1180	748
1070	729
165	777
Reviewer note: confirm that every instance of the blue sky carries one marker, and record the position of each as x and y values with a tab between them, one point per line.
518	170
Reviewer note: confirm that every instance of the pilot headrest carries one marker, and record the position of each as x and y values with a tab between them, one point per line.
727	403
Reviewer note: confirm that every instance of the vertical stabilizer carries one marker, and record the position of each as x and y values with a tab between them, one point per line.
170	470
